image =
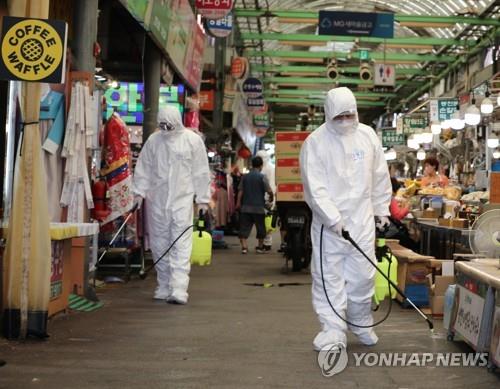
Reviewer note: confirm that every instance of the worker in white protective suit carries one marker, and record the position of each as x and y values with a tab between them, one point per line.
268	172
171	170
346	183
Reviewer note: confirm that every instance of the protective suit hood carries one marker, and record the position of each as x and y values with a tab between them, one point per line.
264	155
340	101
171	116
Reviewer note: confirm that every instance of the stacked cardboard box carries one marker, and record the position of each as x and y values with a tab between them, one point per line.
288	181
442	276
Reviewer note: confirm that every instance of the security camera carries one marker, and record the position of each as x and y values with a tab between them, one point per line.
331	70
365	72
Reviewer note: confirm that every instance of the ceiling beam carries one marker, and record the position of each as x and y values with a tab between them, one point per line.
485	42
319	80
298	101
322	69
312	17
394	57
400	42
307	92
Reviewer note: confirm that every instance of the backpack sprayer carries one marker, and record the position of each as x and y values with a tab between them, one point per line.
383	290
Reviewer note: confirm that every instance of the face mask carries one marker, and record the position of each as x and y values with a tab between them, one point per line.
344	126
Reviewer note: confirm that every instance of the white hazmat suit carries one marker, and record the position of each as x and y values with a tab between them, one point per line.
269	173
172	168
346	183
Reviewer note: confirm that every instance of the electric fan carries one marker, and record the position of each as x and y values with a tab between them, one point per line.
485	239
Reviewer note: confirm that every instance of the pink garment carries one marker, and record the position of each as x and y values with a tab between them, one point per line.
221	207
192	119
230	195
398	212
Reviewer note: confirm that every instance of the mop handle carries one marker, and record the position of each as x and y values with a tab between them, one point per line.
347	236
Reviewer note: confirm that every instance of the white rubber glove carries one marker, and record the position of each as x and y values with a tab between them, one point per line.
337	228
138	201
383	223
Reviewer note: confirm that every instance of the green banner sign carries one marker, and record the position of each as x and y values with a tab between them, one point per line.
414	122
137	8
390	138
159	23
442	109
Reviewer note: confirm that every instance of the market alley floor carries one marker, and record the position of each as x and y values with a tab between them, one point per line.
231	335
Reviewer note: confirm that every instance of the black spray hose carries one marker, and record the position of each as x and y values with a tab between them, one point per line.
346	236
328	298
144	272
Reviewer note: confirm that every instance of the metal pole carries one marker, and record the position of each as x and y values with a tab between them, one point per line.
85	16
85	34
152	77
220	60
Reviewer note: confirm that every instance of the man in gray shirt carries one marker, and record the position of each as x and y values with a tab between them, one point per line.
251	204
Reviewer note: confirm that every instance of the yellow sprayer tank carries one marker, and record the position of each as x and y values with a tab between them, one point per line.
381	284
269	224
201	253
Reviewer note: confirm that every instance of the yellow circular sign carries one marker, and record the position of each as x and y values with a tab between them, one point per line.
32	50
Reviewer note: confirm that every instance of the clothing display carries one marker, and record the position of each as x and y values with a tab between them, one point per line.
116	169
221	207
80	128
54	172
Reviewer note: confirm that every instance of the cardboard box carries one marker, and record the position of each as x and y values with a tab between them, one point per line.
460	223
437	305
289	143
413	269
439	285
437	290
287	169
431	214
290	192
444	222
495	188
444	267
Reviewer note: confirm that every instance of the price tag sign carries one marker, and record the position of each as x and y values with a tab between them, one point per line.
469	314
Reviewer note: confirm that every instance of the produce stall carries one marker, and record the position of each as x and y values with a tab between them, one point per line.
441	240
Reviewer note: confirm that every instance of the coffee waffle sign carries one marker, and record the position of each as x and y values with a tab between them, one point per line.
33	50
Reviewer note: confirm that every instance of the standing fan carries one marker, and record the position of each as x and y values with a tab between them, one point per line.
486	237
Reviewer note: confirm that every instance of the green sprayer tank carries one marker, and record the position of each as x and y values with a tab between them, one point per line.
201	253
384	259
